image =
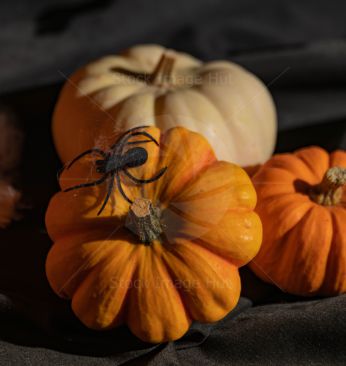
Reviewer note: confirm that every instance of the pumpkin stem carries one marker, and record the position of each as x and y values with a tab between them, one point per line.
330	190
161	75
143	220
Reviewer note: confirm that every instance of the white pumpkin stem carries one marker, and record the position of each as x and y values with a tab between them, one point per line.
143	220
329	191
161	75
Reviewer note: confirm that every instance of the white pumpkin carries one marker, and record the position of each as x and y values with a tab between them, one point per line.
150	85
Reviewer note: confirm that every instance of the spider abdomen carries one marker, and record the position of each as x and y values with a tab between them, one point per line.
134	157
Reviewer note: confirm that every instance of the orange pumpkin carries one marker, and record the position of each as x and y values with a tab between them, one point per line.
302	204
189	269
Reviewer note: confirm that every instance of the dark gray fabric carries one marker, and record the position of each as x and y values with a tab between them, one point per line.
303	333
39	38
297	48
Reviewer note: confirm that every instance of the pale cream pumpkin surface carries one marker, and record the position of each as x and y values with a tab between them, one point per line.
150	85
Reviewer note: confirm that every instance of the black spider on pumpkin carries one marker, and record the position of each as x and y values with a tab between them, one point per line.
116	160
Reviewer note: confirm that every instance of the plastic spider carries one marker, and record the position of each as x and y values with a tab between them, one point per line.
116	161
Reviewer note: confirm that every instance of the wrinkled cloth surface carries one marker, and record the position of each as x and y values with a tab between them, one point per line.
300	333
297	48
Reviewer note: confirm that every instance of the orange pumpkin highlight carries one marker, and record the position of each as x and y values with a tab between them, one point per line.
302	204
188	273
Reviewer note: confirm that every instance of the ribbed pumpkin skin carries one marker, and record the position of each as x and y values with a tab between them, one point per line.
221	100
304	243
159	289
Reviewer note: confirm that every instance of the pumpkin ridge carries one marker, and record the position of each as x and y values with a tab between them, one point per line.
172	278
126	309
188	111
222	115
182	295
178	289
226	134
270	273
97	271
268	200
99	94
282	182
277	167
301	227
217	299
211	100
157	113
206	194
163	269
332	276
97	90
204	244
306	161
122	308
105	63
184	179
121	106
238	249
81	273
75	232
156	272
240	209
92	224
308	209
196	89
330	252
189	217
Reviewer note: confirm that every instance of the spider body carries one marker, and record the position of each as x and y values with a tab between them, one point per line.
132	158
117	160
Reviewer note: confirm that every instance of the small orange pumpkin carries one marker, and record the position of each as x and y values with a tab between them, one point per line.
302	204
190	272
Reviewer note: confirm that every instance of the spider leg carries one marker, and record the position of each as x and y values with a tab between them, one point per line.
120	144
84	185
135	128
146	134
124	135
109	191
137	142
87	152
121	190
144	181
